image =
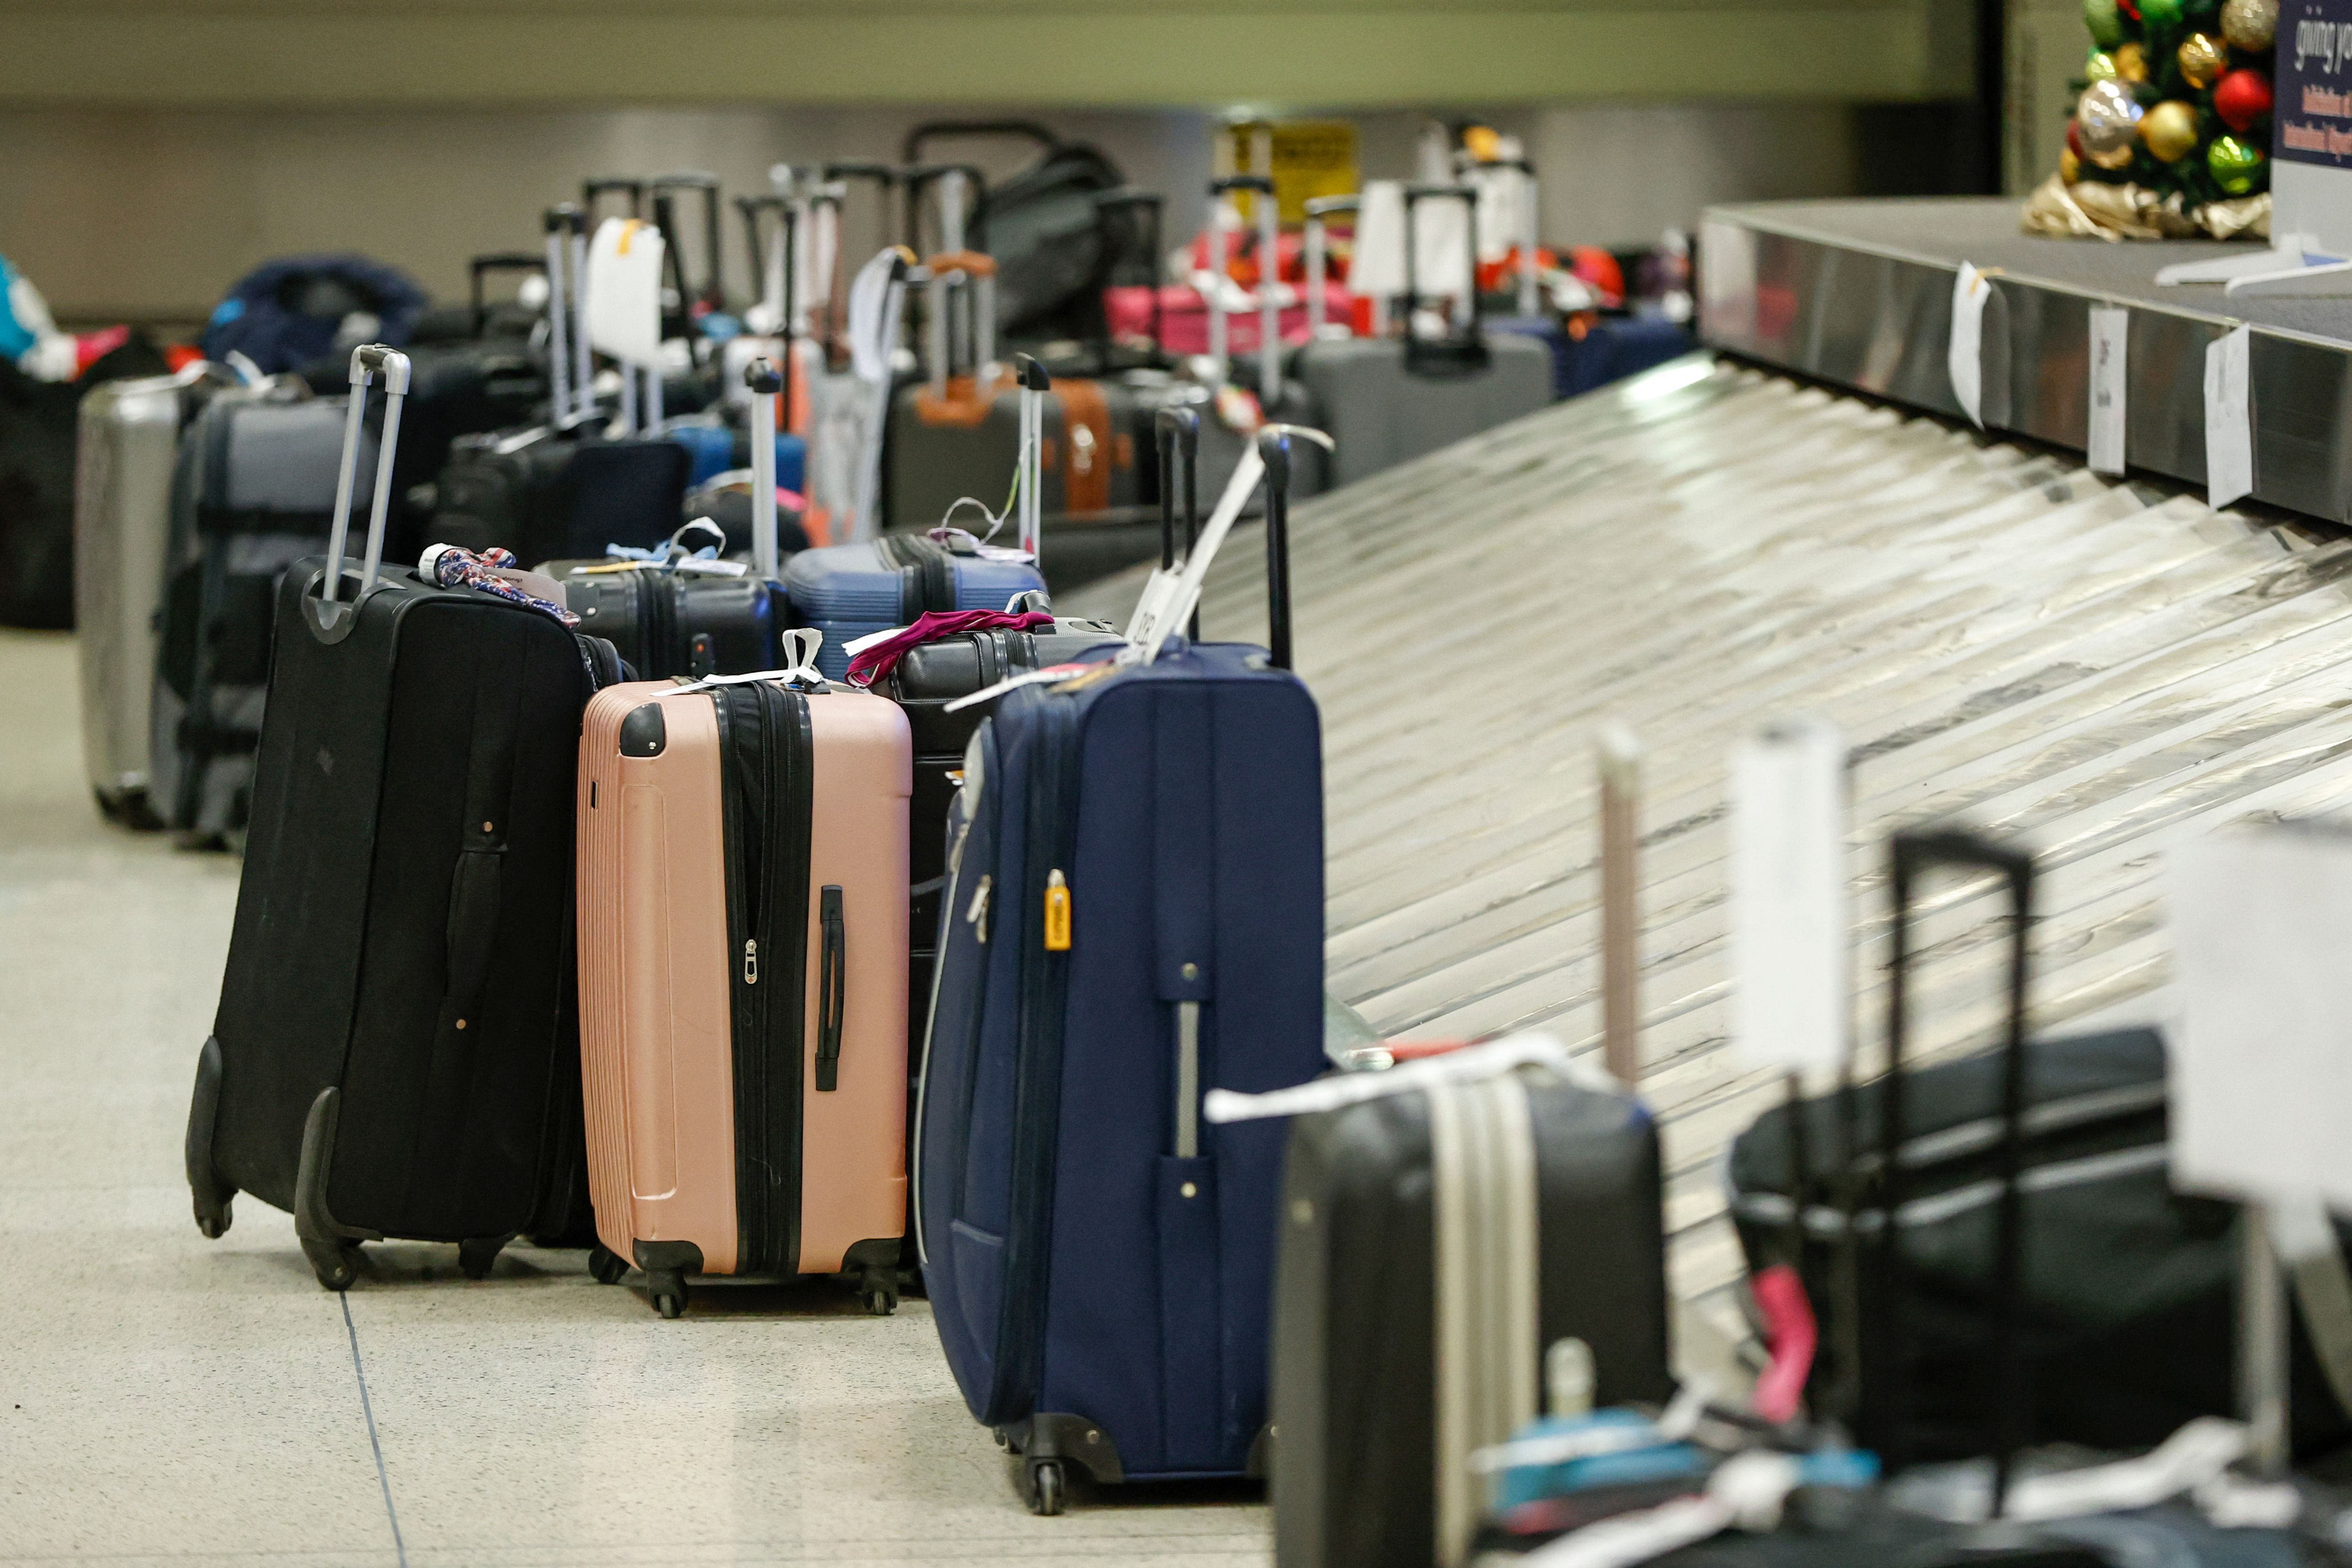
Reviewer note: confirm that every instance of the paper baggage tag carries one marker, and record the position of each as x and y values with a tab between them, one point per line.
2229	419
1964	354
2262	1065
2110	327
1791	928
621	296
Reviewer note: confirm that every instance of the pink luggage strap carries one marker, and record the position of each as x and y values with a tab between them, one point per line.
875	660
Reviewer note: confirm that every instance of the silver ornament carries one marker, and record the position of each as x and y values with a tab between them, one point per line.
2107	117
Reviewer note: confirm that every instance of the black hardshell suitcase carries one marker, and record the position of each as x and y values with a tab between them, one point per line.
1356	1298
396	1050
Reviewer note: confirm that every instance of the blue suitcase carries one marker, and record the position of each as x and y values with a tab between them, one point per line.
1134	914
713	449
853	591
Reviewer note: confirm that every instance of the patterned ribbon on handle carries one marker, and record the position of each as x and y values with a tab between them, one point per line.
453	566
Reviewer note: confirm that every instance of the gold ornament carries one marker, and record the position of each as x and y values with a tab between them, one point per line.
2170	131
2249	25
2100	67
2070	167
2108	119
2131	63
2202	59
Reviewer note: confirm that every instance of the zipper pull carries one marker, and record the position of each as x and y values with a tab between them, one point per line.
751	961
1057	914
978	914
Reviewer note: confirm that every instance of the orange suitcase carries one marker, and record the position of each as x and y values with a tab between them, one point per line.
743	978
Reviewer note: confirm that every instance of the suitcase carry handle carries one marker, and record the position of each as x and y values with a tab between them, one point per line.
765	384
366	360
1319	253
1913	855
832	989
1458	353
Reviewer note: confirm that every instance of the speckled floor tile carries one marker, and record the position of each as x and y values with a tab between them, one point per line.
167	1400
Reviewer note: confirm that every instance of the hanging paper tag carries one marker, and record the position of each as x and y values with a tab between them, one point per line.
2110	328
2261	1067
1965	353
2229	419
1790	930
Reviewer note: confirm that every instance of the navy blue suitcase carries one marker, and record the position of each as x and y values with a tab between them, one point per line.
1134	915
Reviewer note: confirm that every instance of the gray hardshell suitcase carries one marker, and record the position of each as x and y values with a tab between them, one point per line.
129	438
253	492
1389	399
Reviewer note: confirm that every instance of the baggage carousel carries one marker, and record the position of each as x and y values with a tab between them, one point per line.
2096	666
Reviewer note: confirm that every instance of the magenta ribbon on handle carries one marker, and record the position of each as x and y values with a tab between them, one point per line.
453	566
871	662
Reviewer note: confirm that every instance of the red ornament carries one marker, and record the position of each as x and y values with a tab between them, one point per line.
2241	98
2075	140
2129	8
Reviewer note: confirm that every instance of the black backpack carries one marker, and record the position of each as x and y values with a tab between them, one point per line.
1053	257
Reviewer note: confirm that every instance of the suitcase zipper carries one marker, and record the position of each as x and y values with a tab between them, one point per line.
765	751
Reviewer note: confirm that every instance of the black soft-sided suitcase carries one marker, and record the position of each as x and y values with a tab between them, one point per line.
396	1050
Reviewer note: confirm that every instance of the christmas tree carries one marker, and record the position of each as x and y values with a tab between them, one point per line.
2176	98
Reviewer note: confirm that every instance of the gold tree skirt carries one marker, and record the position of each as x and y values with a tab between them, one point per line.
2093	209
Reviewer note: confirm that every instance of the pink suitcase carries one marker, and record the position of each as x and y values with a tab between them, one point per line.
743	894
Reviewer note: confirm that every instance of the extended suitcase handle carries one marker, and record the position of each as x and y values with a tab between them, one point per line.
1034	384
765	383
366	360
1269	284
1318	253
1457	353
1913	855
1274	451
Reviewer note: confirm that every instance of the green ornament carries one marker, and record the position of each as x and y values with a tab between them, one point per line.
2107	26
2236	166
2159	16
2099	66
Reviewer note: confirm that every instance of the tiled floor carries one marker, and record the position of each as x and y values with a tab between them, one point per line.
167	1400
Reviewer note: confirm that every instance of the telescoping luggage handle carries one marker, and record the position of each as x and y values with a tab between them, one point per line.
1318	253
1169	599
1126	199
1034	384
1457	353
366	360
565	224
1179	431
1914	856
1269	285
765	384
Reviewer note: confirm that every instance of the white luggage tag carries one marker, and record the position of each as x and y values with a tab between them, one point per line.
1167	602
622	292
800	646
1790	927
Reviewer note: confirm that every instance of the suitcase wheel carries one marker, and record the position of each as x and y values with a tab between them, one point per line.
336	1263
1041	1487
475	1255
666	1287
879	1289
604	1265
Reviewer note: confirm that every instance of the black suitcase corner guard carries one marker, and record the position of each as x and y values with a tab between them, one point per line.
212	1195
332	1248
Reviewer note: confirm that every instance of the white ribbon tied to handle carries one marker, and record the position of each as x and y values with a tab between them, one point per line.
1467	1065
800	646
